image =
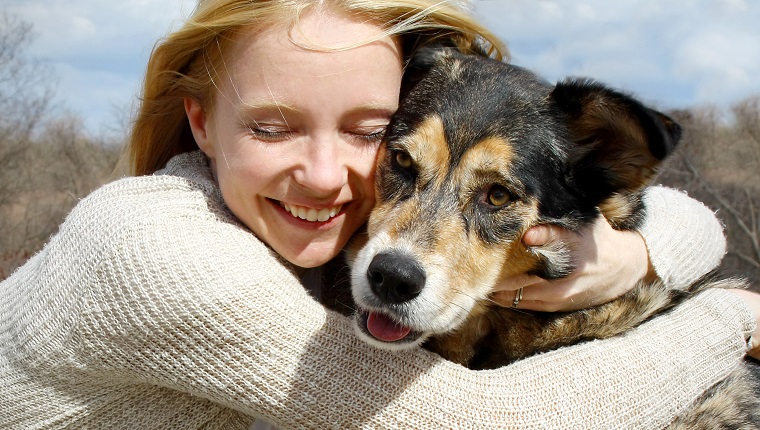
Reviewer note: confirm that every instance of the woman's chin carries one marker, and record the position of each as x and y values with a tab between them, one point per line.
313	254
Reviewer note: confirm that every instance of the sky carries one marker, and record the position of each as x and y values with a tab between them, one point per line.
671	54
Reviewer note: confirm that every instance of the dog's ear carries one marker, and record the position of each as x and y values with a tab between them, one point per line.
618	143
421	62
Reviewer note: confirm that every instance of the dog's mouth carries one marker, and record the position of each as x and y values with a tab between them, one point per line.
382	328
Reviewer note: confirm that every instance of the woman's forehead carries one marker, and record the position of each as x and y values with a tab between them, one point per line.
265	74
322	31
278	59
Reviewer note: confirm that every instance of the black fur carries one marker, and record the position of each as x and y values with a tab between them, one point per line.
579	150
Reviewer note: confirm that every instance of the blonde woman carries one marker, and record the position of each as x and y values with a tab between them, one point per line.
174	299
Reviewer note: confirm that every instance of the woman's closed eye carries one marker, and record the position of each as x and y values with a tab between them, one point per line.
270	133
374	135
367	133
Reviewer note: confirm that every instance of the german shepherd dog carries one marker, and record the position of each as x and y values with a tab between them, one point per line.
479	152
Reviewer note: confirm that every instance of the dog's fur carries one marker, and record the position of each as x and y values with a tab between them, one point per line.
479	152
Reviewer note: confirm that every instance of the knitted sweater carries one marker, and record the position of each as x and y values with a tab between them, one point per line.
154	308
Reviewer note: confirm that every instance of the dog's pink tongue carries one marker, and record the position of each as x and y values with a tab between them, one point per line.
384	328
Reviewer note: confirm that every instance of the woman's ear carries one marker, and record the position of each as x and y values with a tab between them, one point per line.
196	116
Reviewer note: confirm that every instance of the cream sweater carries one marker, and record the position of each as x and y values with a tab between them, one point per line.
153	308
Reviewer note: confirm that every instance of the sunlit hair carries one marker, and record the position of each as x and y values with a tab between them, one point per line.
184	64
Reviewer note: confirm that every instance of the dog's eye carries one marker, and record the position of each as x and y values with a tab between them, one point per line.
498	196
403	159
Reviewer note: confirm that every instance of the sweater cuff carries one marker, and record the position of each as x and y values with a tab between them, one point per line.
684	238
731	310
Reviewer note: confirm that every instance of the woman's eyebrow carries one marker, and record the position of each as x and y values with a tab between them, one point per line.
252	108
266	105
249	110
377	109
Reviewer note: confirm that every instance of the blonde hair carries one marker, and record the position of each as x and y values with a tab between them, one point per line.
182	64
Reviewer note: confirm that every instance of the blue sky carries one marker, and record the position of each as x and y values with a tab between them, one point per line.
673	54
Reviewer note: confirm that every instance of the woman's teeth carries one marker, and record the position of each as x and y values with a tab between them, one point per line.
311	214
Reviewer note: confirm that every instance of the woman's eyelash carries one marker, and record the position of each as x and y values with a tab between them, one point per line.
371	137
264	134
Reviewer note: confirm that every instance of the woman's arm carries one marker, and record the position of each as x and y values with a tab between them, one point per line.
684	238
190	302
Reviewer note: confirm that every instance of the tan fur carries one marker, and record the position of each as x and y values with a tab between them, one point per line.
428	147
721	407
466	253
490	336
633	166
431	230
490	155
617	209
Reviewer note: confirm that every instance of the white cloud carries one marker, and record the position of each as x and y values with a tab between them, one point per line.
675	53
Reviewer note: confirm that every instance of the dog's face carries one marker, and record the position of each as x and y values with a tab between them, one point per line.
479	152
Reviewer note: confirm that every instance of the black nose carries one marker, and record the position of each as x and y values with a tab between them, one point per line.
395	278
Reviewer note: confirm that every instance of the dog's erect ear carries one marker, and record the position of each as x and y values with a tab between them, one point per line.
619	143
421	62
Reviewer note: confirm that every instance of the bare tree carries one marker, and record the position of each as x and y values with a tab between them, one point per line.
718	163
25	88
24	98
22	106
46	165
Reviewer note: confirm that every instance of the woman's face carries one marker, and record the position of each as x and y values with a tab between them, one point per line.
293	133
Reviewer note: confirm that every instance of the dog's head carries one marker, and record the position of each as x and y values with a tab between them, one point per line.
479	152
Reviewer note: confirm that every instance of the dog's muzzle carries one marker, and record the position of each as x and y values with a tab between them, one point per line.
394	279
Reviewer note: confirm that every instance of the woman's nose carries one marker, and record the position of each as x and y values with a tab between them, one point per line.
323	170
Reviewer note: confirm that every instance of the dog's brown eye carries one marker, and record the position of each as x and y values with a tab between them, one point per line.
403	159
498	196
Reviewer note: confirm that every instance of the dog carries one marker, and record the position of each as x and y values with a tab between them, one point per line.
478	152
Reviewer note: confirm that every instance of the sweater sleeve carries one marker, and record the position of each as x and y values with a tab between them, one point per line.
684	238
196	304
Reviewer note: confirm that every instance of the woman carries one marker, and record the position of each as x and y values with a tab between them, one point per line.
173	300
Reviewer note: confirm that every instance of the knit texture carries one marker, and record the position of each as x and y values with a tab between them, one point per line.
680	226
153	308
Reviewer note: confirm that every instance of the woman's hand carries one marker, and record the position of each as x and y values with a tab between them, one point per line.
609	262
753	301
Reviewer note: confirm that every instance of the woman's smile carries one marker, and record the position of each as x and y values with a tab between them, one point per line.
311	214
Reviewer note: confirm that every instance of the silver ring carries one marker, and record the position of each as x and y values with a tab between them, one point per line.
518	297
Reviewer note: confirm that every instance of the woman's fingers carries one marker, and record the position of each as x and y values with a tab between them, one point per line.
545	296
541	235
608	263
